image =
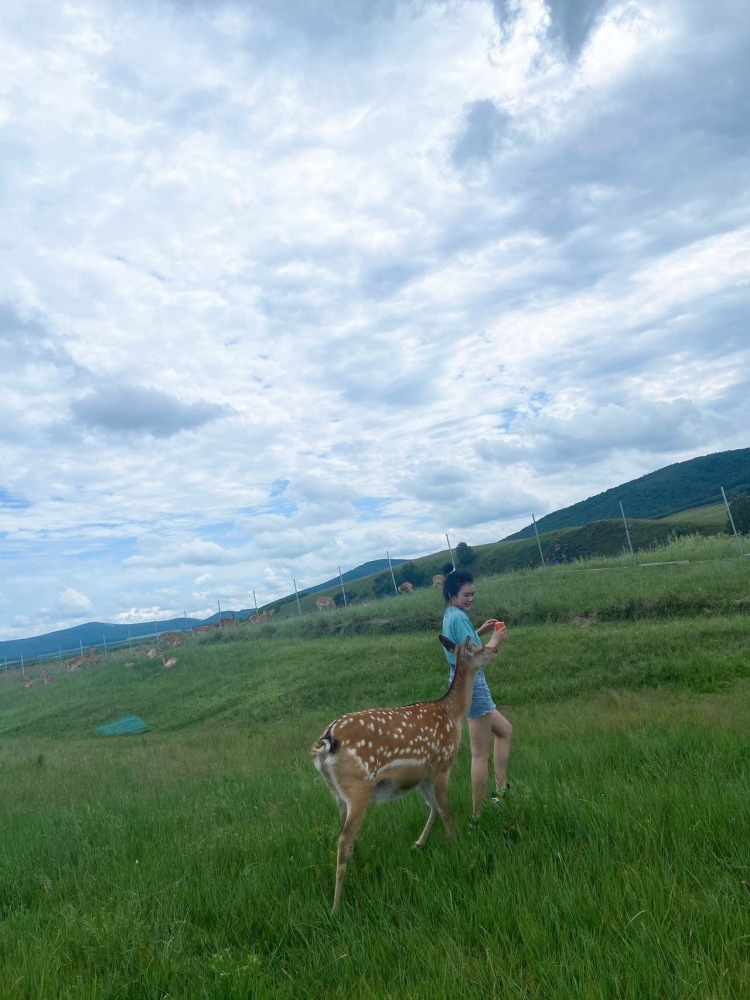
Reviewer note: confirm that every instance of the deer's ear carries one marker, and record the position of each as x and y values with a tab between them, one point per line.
450	646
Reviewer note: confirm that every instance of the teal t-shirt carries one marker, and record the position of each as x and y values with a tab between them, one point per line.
457	627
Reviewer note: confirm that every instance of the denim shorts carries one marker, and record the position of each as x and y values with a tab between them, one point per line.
481	701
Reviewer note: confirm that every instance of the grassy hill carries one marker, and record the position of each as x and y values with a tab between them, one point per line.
591	542
678	487
67	642
674	502
98	634
197	860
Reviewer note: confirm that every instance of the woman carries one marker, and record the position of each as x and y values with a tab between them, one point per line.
484	719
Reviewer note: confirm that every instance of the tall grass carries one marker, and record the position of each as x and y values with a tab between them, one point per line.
197	860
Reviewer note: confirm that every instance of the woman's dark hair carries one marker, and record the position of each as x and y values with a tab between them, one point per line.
454	581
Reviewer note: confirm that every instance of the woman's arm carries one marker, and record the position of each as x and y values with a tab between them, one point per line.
488	626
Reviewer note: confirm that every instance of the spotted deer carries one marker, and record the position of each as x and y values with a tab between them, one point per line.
382	753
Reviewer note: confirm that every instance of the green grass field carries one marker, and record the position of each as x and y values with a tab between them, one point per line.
197	860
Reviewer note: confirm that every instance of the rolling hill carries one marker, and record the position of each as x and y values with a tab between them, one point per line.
67	642
679	499
674	488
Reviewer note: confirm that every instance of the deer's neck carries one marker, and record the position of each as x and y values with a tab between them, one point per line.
458	698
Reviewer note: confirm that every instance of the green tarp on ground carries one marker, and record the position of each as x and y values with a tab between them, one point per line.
124	727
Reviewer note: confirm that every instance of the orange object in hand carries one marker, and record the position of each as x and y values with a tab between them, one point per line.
498	625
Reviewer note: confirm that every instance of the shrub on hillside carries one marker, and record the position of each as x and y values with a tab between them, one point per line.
740	508
382	585
409	572
465	555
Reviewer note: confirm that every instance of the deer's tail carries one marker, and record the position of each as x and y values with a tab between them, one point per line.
327	744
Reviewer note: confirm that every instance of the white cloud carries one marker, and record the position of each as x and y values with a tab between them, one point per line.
73	602
285	286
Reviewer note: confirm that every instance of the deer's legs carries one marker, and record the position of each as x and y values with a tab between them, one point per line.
353	812
435	795
341	803
427	791
441	797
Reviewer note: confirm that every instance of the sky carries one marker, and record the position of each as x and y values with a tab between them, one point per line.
287	285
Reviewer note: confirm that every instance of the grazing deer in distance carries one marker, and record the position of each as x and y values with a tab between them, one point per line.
382	753
261	616
169	639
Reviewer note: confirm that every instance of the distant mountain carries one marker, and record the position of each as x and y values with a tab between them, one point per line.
366	569
670	490
69	641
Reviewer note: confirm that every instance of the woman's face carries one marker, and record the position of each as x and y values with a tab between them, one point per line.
465	597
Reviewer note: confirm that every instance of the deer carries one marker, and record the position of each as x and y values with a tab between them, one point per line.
261	616
170	639
383	753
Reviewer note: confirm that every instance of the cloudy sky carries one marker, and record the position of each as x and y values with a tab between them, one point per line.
287	284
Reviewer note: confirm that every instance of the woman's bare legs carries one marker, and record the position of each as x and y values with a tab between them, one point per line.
481	730
503	732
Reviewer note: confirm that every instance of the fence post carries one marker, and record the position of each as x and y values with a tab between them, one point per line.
536	532
627	532
342	586
299	606
450	550
390	566
731	520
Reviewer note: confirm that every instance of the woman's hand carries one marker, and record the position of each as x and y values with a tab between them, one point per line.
488	626
498	635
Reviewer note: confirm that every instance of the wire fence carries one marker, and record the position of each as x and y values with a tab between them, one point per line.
45	667
78	657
